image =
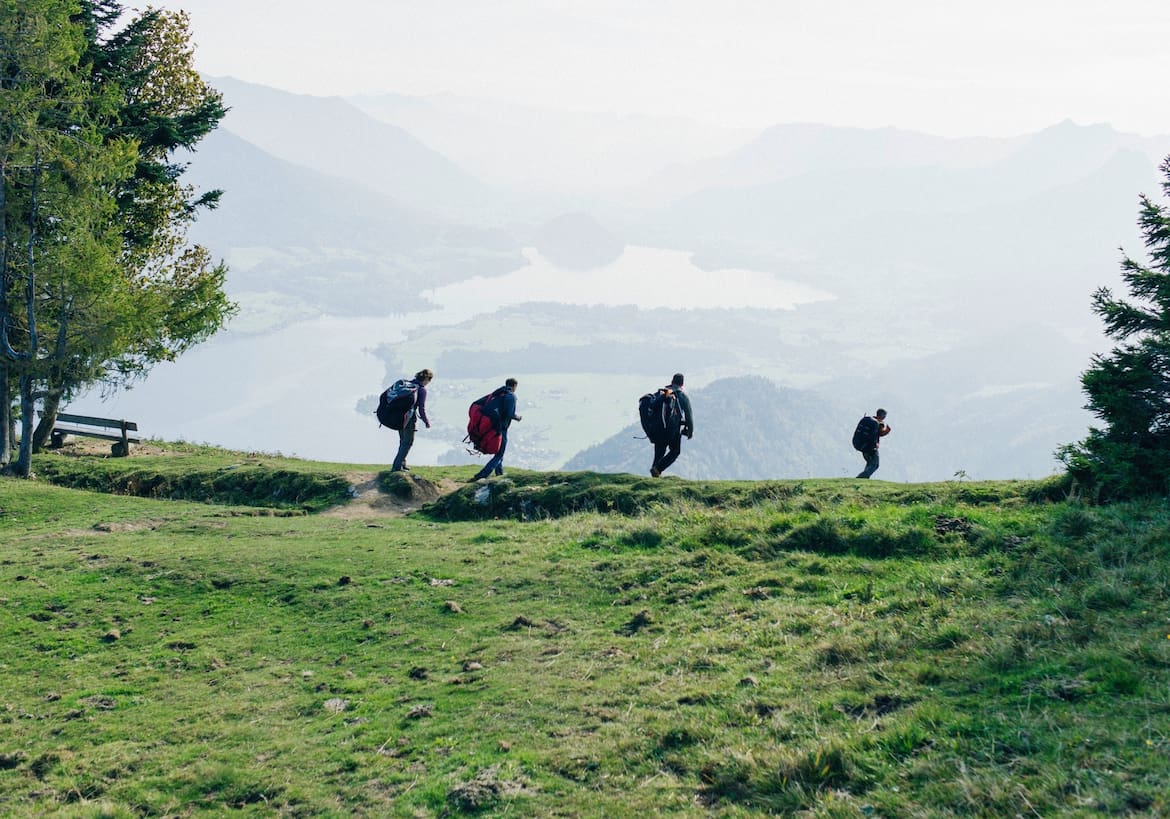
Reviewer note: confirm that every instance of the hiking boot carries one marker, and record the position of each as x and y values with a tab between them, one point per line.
655	472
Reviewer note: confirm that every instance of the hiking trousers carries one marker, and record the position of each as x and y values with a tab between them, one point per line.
496	464
871	463
405	442
666	452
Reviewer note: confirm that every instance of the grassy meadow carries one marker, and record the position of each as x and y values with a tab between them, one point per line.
194	632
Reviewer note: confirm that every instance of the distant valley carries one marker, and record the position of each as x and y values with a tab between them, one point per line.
956	274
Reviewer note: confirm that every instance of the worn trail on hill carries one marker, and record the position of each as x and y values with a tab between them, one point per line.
371	502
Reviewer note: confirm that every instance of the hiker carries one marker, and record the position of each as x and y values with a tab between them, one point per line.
866	438
668	447
501	408
418	410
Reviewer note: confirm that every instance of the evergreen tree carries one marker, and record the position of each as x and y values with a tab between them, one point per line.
145	72
97	279
55	214
1129	388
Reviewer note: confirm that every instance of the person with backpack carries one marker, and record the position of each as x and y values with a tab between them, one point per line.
866	437
670	418
416	410
500	407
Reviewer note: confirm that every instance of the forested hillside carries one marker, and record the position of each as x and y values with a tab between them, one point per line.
331	246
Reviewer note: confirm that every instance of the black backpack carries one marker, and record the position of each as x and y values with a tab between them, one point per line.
396	402
866	435
661	415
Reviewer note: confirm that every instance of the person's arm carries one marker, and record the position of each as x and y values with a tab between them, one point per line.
511	408
684	402
422	405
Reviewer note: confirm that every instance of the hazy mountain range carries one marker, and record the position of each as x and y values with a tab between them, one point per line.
958	274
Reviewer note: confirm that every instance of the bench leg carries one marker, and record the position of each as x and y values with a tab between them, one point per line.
122	448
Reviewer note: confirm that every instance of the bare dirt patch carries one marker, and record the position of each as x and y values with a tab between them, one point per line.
77	446
369	501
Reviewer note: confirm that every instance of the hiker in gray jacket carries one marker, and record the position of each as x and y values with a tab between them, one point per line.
667	451
872	429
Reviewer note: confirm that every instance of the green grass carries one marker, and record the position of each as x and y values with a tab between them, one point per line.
581	645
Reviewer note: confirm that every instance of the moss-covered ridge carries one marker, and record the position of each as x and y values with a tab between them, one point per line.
536	495
206	475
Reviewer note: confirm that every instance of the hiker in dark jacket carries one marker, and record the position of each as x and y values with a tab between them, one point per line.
419	410
502	410
665	452
878	429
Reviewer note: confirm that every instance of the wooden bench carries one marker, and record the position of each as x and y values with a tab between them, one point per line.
108	428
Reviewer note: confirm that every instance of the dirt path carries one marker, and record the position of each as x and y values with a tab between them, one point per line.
370	502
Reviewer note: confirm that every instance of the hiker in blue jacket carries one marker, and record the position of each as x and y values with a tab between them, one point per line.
419	410
502	410
667	451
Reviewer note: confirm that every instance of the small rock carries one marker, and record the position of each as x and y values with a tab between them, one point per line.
749	682
336	705
472	665
112	636
453	607
419	711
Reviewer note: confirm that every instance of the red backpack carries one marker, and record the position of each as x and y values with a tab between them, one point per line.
481	426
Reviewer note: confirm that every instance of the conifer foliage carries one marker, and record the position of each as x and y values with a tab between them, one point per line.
1129	388
98	281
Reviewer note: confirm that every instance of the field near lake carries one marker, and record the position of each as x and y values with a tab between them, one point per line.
195	632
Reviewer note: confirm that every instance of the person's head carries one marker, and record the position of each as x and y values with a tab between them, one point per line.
880	414
424	376
677	381
511	384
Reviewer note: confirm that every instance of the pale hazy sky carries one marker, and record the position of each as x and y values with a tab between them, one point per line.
997	67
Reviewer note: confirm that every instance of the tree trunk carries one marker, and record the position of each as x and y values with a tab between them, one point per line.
49	408
6	426
22	466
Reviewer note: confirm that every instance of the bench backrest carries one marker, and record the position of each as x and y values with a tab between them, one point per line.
89	420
